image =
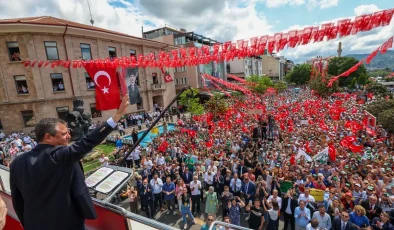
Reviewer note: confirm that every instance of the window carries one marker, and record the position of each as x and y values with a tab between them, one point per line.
184	81
89	82
51	50
176	82
112	52
28	118
1	125
62	112
154	78
95	113
21	85
86	52
180	69
13	51
57	82
133	53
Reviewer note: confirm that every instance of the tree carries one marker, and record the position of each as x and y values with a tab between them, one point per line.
362	79
300	74
280	86
339	65
378	90
383	110
190	100
217	105
261	83
320	86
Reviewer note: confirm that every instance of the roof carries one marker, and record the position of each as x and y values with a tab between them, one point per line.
52	21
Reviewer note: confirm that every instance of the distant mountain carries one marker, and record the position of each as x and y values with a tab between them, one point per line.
381	61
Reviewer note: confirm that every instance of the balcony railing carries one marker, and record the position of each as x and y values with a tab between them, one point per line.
158	87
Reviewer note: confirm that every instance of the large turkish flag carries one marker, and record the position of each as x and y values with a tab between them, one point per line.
107	88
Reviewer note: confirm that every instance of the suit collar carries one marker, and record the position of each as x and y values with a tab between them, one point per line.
43	146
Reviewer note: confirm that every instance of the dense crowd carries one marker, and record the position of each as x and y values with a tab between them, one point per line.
263	166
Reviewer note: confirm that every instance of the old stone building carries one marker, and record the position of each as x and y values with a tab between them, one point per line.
28	94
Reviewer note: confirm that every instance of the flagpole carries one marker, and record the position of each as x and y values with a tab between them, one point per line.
153	124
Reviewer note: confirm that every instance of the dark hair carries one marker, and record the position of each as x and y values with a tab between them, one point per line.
47	125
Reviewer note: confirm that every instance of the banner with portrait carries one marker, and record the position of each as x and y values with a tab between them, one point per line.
129	82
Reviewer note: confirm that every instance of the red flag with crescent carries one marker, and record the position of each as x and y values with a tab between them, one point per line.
106	85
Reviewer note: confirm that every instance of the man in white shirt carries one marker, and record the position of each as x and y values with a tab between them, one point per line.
212	167
275	196
313	225
161	160
208	179
195	188
157	185
136	155
306	197
148	163
236	185
324	220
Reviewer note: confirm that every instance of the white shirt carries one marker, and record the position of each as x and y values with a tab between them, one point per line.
148	164
278	199
194	187
208	178
161	160
309	227
103	161
136	154
156	186
308	199
214	168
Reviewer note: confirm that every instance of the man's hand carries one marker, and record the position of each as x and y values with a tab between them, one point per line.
122	108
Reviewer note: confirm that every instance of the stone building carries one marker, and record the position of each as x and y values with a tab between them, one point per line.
28	94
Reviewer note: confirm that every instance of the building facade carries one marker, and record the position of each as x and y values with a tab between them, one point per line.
245	67
28	94
274	67
188	75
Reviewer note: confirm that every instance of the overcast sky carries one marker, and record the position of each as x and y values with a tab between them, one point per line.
222	20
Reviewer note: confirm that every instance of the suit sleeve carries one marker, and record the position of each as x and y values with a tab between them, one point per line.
79	149
17	199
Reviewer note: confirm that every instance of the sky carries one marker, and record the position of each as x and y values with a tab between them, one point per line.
222	20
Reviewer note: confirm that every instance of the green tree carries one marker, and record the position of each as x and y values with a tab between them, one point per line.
362	79
339	65
190	100
378	90
353	83
300	74
216	105
320	86
261	83
379	73
383	110
280	86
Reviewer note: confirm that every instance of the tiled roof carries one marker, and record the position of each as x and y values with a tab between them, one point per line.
48	20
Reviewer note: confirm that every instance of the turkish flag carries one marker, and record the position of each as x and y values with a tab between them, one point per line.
332	152
107	88
167	77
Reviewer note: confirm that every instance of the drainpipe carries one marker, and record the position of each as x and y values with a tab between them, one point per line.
69	68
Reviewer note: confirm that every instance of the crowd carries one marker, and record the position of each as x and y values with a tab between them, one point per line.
13	145
264	167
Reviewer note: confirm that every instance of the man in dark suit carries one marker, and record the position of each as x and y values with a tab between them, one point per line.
248	190
289	204
373	210
133	90
146	194
48	185
187	176
343	223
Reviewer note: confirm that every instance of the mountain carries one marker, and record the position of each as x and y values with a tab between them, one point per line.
381	61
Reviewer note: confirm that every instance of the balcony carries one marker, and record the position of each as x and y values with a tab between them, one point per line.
158	87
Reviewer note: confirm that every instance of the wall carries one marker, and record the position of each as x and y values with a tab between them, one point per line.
270	63
41	97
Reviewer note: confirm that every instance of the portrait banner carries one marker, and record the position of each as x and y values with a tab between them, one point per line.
130	83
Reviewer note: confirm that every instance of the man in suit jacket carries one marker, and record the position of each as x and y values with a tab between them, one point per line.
48	185
249	190
343	223
289	204
371	207
133	90
187	176
146	194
